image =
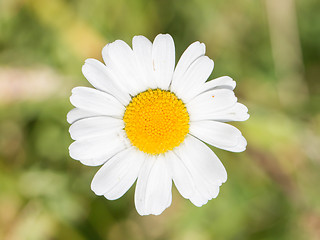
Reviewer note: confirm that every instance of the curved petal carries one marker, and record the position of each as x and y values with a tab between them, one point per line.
210	102
95	126
153	189
142	50
76	114
117	175
238	112
97	150
163	60
181	176
198	172
224	82
194	78
95	101
218	134
119	58
193	52
99	77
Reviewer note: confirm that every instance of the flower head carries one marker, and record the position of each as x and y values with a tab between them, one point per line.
147	120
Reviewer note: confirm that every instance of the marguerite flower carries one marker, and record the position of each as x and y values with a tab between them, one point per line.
147	120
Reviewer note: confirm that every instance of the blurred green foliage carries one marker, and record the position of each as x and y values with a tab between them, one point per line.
271	48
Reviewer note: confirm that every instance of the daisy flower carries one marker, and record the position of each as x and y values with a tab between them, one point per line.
147	120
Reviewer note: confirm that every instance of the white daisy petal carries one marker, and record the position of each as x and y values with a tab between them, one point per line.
119	58
100	77
97	150
219	83
163	60
95	101
238	112
193	52
153	189
210	102
241	146
117	175
95	126
220	135
194	78
198	199
142	50
202	168
141	185
77	114
180	175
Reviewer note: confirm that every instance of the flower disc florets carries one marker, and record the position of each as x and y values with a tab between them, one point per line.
156	121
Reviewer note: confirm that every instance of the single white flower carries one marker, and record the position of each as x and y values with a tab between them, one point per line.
148	120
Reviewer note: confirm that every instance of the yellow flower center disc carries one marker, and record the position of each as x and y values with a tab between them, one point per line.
156	121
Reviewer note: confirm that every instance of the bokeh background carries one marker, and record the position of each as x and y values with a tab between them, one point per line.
270	47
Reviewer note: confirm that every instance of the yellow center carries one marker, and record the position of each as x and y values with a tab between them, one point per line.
156	121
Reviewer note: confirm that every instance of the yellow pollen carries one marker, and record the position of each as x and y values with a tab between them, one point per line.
156	121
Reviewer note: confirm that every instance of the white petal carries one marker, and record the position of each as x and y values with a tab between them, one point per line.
202	168
95	126
97	150
77	114
210	102
99	76
119	58
220	135
142	50
95	101
241	146
163	60
194	51
194	78
219	83
238	112
153	189
117	175
180	175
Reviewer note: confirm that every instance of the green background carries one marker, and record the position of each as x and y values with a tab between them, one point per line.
270	47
